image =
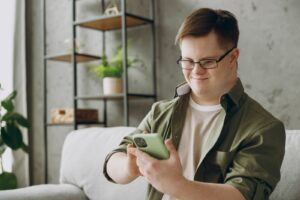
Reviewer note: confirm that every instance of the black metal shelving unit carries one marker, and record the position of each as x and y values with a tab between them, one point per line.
103	23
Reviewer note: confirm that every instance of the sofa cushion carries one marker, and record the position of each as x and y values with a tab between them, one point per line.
45	192
288	187
83	155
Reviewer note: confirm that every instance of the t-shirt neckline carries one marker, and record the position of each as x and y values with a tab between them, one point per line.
204	108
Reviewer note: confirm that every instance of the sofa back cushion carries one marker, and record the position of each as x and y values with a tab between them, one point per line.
288	186
82	161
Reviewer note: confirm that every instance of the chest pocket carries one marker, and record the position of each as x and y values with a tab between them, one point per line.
217	165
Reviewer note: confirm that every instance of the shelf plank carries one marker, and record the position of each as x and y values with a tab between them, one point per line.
137	95
68	57
101	97
106	23
114	97
79	123
59	124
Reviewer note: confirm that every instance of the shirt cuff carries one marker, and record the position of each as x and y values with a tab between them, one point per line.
250	188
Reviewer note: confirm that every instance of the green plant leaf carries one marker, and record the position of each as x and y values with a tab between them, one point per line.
8	116
7	102
8	181
102	71
104	60
114	67
16	117
12	136
8	105
21	120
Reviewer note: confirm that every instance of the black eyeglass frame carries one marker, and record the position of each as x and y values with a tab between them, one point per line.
199	62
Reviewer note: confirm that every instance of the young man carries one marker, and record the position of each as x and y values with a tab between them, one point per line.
222	143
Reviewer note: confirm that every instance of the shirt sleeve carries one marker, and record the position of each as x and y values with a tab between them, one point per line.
144	126
256	166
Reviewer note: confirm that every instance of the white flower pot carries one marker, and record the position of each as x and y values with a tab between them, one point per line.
112	85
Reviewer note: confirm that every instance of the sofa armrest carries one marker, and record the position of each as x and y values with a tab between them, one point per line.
45	192
288	186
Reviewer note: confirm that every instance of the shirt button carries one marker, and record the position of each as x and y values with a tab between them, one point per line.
238	180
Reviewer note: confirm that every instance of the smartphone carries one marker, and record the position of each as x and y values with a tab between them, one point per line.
151	143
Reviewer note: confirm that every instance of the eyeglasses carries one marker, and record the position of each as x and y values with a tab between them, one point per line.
204	63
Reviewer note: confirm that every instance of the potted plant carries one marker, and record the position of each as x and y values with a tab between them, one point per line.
111	72
11	136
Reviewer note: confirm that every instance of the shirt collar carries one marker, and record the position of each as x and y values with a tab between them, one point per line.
236	92
182	89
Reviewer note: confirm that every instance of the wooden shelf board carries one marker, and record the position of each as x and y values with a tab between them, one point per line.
112	23
71	124
79	58
114	97
101	97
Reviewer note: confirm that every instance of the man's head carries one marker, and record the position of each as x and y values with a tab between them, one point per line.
205	20
208	40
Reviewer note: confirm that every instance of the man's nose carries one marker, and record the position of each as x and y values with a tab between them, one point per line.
198	68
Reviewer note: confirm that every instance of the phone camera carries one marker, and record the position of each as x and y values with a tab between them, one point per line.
140	142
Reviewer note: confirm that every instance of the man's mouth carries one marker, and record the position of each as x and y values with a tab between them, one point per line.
199	78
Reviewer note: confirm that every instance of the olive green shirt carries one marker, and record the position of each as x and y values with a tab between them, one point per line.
246	152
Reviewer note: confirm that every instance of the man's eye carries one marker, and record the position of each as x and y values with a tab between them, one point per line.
207	62
187	62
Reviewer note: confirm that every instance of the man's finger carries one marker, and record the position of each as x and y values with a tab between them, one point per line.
170	146
131	150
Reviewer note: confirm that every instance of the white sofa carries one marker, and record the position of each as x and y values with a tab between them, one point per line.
81	175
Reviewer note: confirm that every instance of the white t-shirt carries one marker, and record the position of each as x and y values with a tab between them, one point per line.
199	123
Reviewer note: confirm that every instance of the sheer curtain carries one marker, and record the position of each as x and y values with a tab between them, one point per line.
7	18
21	161
13	76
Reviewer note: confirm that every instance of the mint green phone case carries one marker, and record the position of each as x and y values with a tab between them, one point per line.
154	145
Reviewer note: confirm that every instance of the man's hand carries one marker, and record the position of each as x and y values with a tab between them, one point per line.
161	174
123	175
132	168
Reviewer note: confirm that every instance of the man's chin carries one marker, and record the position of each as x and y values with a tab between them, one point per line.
199	91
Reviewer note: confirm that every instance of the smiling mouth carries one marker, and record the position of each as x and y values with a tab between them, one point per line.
199	78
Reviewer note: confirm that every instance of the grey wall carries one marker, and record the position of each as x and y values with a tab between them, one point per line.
268	64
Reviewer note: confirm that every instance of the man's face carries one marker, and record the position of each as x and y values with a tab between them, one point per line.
208	85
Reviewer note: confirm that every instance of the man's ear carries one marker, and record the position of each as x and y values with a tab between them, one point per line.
234	55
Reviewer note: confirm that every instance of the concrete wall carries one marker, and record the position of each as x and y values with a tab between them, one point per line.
268	64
